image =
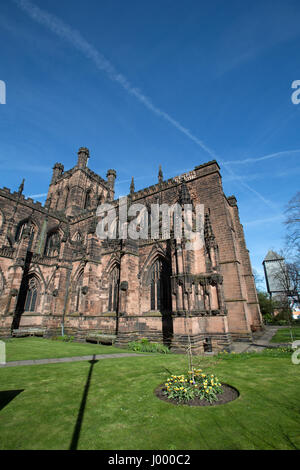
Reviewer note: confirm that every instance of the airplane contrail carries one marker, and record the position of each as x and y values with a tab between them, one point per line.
74	37
79	42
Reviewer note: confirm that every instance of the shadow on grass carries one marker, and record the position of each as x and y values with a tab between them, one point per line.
246	431
169	372
6	396
285	404
76	432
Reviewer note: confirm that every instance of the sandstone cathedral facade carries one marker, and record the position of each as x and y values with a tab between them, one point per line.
55	271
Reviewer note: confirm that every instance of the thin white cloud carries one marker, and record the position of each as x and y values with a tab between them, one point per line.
247	177
34	196
73	37
254	30
15	166
265	221
285	153
259	176
136	178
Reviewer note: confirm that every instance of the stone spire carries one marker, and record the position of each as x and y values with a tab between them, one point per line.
21	187
208	231
57	172
184	197
111	176
160	175
132	189
83	156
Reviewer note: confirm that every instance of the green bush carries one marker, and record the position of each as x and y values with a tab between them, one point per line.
195	385
266	304
144	345
278	320
65	338
268	319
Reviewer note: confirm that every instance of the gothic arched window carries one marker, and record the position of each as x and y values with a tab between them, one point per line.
113	293
78	294
32	295
1	220
1	283
25	226
67	191
87	202
100	199
52	244
160	298
77	238
57	200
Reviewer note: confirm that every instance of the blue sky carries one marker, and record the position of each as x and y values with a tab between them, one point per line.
142	83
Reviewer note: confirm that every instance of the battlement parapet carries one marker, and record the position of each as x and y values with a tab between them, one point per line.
20	198
200	170
7	252
88	171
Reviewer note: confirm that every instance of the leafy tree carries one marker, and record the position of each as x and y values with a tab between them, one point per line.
267	305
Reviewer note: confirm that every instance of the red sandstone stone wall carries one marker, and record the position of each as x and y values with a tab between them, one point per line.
82	257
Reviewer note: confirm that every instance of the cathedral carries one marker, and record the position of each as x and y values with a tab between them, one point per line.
56	274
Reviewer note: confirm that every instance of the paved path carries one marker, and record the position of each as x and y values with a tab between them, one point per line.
260	341
68	359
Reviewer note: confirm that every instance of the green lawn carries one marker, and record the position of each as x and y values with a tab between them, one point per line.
122	412
283	335
19	349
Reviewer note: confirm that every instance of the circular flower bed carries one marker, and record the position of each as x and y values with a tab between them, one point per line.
196	389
